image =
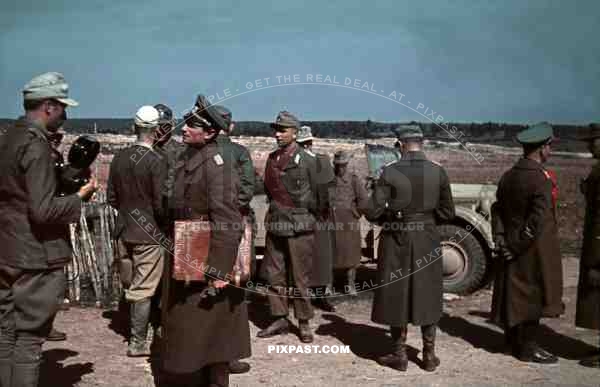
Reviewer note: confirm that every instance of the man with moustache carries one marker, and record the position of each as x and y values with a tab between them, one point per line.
528	284
291	187
34	235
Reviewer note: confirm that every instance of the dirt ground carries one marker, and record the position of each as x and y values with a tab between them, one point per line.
470	348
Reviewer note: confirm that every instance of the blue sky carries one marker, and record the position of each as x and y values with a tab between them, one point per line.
512	60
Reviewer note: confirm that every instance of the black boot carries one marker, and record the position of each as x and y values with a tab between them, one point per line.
397	359
56	335
238	367
218	375
430	360
527	349
140	315
281	326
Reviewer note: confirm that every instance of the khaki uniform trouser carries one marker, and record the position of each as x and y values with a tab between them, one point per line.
148	264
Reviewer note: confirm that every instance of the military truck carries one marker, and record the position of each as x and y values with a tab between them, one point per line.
467	246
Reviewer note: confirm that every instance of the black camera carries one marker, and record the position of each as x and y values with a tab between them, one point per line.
76	173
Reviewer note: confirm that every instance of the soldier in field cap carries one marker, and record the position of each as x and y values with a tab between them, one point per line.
529	284
34	233
291	187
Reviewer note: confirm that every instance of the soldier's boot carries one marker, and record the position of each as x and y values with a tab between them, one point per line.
280	326
397	359
238	367
218	375
140	315
351	276
306	335
430	360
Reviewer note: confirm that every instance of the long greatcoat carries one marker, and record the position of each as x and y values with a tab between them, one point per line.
199	332
322	266
529	286
588	297
349	199
409	199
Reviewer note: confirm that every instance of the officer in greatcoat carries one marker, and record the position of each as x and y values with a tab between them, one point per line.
410	198
206	323
528	284
588	289
348	202
291	187
322	276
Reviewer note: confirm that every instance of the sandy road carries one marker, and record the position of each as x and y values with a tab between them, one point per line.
471	350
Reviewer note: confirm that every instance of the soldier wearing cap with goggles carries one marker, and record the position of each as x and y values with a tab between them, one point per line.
34	233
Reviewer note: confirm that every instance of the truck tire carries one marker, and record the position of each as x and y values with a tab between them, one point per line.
464	262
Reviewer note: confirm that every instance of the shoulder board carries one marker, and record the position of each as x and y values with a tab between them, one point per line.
436	163
310	153
297	158
218	159
388	164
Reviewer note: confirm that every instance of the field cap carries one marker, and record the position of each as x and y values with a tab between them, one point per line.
286	119
304	134
341	157
50	85
404	132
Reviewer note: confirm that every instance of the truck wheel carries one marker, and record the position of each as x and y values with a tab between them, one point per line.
464	262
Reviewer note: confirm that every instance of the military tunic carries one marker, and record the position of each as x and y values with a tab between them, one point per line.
291	187
410	198
529	286
588	297
349	200
200	332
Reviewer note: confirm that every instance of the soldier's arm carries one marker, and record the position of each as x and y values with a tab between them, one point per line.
378	201
159	175
445	210
225	217
247	181
40	179
362	197
111	193
541	200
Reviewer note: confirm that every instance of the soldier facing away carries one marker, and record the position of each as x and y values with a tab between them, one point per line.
528	284
34	235
588	288
410	198
134	188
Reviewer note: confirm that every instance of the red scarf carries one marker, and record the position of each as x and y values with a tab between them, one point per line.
552	176
273	174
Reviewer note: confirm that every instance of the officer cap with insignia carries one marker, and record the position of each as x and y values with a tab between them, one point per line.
304	134
341	157
538	134
205	114
50	85
408	132
285	119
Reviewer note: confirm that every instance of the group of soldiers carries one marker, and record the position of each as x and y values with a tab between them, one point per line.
202	326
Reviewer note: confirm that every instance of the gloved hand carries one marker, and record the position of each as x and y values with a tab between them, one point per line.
502	249
593	277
